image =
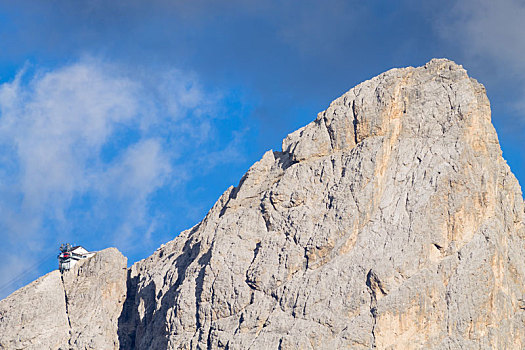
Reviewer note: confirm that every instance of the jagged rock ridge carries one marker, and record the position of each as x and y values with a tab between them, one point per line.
390	222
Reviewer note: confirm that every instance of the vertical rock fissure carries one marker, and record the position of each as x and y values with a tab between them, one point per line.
355	121
373	306
67	307
373	312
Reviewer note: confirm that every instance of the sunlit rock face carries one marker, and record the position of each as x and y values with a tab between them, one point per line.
75	310
390	222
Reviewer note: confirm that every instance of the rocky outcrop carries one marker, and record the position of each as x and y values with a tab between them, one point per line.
95	290
75	310
391	222
35	317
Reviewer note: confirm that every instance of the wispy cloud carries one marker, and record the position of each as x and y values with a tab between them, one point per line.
91	142
493	28
56	124
490	36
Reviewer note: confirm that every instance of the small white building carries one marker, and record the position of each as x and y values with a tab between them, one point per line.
69	256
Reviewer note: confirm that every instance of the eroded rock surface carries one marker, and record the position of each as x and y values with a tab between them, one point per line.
390	222
95	290
34	317
75	310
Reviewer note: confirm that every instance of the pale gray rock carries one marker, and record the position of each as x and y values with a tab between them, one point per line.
95	291
391	221
75	310
34	317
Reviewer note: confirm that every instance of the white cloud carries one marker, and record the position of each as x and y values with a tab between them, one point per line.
57	124
142	169
90	130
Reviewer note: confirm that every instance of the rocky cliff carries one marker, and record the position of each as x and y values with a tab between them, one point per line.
391	222
76	310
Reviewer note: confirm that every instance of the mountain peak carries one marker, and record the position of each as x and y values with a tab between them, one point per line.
391	221
431	101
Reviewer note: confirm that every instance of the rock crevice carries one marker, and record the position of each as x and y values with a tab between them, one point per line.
66	302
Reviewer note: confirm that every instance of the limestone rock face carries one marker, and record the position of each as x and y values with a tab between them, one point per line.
34	317
390	222
75	310
95	291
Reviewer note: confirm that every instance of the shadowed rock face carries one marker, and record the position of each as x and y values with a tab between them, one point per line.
390	222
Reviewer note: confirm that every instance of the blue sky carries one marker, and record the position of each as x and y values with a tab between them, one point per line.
122	122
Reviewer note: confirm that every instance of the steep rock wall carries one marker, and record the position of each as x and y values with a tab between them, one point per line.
391	222
75	310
